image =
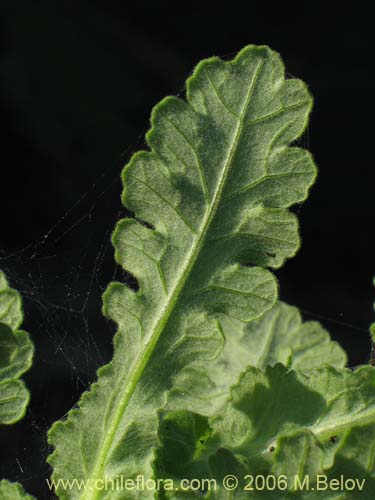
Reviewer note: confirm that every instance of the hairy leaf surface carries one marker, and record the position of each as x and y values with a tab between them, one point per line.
13	491
279	336
16	353
214	190
283	423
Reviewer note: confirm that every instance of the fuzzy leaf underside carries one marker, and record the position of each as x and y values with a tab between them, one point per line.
13	491
214	190
282	423
279	336
16	353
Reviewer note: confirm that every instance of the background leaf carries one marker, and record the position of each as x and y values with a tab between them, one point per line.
279	336
13	491
16	353
280	423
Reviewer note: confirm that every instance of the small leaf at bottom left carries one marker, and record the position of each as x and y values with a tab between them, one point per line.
13	491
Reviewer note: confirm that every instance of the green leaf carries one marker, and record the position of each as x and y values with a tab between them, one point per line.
10	305
16	353
279	336
280	423
214	192
351	475
13	491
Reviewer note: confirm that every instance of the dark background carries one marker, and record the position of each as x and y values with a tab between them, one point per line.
77	83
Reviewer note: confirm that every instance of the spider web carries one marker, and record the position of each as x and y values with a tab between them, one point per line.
61	277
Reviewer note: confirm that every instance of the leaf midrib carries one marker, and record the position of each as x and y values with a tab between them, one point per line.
324	432
162	320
